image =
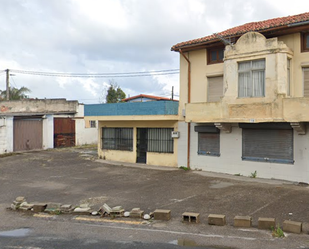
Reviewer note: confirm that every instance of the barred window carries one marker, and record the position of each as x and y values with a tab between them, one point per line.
117	139
160	140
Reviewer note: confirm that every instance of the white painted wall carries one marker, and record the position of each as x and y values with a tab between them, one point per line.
230	159
48	132
6	135
84	135
182	144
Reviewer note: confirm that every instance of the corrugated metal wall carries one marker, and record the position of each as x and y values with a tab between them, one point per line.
64	132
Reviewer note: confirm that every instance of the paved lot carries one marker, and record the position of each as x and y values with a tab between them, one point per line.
73	176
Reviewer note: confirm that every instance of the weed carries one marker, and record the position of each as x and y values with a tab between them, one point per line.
184	168
254	174
277	232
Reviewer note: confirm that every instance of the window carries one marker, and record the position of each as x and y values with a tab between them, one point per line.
92	124
208	140
215	89
251	78
306	81
117	139
304	42
215	55
268	142
160	140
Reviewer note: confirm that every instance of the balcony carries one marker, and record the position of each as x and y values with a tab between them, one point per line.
153	110
280	110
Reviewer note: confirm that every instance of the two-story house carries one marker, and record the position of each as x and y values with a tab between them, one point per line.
244	100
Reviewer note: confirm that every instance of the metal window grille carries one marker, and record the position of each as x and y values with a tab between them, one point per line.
117	139
160	140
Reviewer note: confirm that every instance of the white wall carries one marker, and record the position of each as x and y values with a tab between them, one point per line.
230	159
182	144
6	135
48	132
84	135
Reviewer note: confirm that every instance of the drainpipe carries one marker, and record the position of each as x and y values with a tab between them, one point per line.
189	100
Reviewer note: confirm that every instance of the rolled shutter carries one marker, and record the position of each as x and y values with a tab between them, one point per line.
268	145
209	144
215	89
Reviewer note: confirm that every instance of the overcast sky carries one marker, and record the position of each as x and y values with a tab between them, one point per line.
113	36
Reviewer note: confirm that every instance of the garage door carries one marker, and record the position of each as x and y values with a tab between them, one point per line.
28	134
64	132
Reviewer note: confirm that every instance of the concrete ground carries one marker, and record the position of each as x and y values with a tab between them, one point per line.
74	176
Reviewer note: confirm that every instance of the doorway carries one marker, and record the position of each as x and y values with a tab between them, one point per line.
141	145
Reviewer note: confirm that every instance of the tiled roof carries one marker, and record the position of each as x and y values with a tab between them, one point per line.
146	96
253	26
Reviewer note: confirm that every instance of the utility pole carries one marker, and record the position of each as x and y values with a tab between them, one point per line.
172	92
7	84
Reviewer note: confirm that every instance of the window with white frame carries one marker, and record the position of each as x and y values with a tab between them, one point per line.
251	78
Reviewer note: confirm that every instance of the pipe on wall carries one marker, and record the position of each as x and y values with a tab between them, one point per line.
188	101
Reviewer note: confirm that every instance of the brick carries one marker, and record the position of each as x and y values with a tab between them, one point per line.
242	221
191	217
216	219
266	223
162	214
292	226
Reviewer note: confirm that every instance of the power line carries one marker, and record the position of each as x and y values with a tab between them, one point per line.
99	75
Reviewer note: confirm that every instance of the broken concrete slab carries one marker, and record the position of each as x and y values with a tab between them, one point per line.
39	207
20	199
82	211
26	206
107	209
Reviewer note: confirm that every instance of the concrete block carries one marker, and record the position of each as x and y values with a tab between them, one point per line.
292	226
217	219
191	217
305	227
242	221
162	214
266	223
39	207
136	213
66	207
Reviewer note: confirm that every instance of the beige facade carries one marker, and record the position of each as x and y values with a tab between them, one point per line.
281	101
153	158
137	122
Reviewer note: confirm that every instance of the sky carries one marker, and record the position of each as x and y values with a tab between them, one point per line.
112	37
